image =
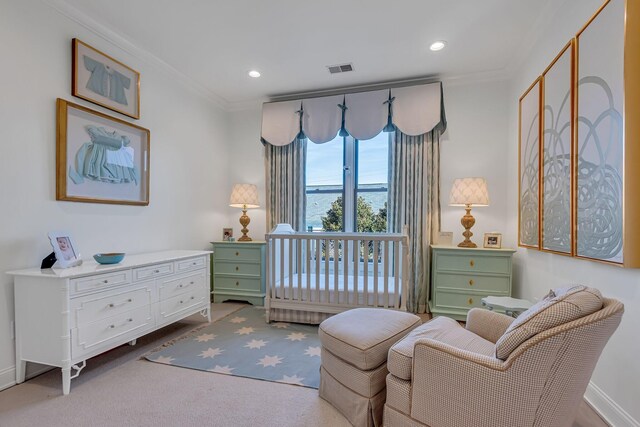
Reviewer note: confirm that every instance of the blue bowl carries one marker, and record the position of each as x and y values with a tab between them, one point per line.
111	258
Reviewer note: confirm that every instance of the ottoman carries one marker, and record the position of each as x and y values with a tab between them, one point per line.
353	368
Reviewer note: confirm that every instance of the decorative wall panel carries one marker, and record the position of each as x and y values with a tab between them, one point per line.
529	167
600	135
557	142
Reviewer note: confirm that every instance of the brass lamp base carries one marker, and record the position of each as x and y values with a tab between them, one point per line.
467	222
244	221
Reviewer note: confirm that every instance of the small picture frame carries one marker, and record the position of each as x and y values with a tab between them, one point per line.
227	234
492	240
445	238
66	251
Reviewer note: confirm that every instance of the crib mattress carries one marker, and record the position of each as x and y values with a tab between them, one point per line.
337	295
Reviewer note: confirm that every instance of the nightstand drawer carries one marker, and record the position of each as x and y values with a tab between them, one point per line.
237	252
238	283
472	263
450	300
494	284
227	267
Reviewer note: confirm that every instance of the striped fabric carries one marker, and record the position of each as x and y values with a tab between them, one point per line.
285	183
297	316
562	305
414	200
540	384
363	336
365	383
442	329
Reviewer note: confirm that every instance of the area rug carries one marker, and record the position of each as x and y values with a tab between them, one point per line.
243	344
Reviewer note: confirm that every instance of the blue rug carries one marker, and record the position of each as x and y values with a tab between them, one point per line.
243	344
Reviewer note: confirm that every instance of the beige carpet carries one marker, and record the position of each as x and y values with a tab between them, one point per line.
119	389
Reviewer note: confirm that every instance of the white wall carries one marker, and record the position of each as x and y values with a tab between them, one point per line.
473	145
188	157
616	381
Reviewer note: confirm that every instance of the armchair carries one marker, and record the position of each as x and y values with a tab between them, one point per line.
443	375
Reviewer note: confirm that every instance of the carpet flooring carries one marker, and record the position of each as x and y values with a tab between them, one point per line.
243	344
119	388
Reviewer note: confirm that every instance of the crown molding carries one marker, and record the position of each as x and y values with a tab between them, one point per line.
73	14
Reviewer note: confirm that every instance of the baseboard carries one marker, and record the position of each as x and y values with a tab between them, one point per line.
8	375
609	410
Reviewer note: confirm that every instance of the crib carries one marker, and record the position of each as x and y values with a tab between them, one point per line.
313	275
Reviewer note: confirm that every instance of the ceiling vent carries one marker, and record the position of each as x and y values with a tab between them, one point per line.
342	68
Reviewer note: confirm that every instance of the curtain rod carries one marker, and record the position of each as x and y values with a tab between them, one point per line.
355	89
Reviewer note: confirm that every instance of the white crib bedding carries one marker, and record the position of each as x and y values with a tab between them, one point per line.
337	296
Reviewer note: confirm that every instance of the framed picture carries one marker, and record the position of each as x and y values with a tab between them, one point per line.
66	251
227	234
100	159
98	78
492	240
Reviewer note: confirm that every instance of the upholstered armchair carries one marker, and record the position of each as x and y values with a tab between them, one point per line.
498	372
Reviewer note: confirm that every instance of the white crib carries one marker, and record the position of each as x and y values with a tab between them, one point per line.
311	276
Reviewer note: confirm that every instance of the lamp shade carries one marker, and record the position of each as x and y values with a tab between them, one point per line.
469	191
244	195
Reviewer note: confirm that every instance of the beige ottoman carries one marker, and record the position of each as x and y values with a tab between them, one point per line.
355	344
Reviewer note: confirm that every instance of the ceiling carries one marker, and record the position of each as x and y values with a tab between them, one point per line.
215	42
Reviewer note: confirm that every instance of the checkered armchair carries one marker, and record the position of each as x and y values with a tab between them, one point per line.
531	371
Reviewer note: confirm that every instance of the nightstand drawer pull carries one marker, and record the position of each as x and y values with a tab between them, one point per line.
237	268
471	282
472	263
237	253
237	283
470	301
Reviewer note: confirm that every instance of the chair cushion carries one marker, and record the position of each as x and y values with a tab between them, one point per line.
363	336
441	329
560	306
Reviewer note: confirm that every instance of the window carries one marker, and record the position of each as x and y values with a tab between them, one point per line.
347	184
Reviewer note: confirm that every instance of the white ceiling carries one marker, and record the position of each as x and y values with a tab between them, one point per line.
216	42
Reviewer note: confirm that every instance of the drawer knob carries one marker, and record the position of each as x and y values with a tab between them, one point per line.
112	326
237	253
237	283
105	281
181	285
191	283
181	302
472	263
471	282
237	268
129	320
193	297
156	271
470	301
195	263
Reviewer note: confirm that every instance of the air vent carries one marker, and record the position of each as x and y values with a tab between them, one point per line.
341	68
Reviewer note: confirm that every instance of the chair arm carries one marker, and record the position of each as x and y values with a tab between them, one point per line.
451	387
487	324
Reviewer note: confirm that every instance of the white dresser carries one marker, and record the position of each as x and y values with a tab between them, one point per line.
66	316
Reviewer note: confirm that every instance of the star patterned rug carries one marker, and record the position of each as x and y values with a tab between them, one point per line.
243	344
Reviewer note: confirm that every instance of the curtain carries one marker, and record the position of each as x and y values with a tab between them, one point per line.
285	174
414	200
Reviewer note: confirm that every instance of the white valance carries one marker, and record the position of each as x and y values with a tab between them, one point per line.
414	110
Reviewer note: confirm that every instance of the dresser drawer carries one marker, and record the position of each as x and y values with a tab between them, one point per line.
102	334
181	303
95	307
152	271
172	286
449	300
495	284
237	284
237	252
228	267
471	263
191	264
100	281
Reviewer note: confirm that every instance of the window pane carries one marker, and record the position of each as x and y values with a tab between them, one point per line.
325	185
373	184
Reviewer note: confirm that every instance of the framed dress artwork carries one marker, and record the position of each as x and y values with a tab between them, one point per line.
98	78
100	159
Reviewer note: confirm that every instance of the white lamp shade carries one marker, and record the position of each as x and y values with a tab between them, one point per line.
244	195
469	191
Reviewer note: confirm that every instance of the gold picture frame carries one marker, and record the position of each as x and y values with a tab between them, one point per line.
90	167
98	78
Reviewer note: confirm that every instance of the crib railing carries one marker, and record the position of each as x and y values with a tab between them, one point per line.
332	272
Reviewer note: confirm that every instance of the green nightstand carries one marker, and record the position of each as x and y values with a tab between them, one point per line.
461	277
239	271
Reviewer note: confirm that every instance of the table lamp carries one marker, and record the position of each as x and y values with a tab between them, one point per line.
244	196
468	192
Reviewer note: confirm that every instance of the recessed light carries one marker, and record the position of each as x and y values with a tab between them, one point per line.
438	45
255	74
